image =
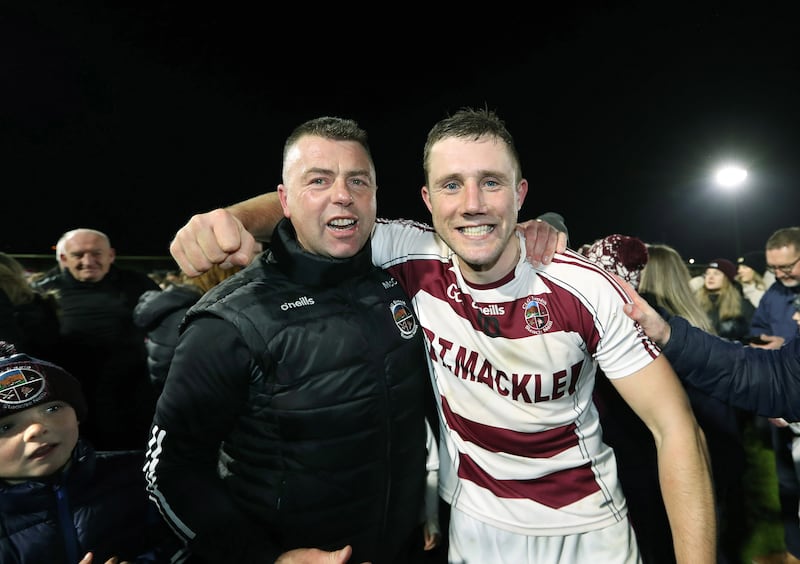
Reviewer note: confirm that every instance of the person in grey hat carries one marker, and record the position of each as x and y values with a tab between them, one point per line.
60	500
556	220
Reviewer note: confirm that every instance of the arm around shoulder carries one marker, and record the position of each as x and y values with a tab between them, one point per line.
259	215
226	236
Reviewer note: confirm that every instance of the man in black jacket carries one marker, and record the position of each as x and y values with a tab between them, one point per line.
100	342
291	425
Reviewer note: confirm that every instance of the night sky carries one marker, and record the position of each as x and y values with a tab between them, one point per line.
129	119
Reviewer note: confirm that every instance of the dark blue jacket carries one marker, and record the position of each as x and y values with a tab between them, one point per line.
97	504
766	382
773	316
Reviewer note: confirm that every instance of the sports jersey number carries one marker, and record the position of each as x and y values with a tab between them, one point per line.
489	324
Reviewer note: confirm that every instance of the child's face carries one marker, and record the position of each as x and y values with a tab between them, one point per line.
37	441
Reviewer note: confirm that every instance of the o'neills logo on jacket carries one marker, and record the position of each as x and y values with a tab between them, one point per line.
302	302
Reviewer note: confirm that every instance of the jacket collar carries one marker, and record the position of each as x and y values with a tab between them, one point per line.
316	270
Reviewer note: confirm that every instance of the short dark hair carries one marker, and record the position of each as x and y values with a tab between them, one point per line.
328	127
470	123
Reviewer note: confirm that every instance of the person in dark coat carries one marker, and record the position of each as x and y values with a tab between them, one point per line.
160	313
101	343
295	401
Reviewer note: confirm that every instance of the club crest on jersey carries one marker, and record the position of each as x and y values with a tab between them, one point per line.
21	385
403	318
537	316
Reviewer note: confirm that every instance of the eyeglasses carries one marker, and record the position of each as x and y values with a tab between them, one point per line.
786	269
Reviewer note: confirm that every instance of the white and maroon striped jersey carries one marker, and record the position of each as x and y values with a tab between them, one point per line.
513	365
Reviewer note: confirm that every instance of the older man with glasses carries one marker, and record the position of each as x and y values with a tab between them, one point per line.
787	269
774	316
774	313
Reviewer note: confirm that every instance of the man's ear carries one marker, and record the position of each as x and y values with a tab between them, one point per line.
426	197
283	197
522	192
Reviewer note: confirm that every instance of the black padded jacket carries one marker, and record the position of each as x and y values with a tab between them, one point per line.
293	413
160	313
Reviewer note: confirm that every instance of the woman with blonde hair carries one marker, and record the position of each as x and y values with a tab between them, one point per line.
722	299
665	285
666	279
750	274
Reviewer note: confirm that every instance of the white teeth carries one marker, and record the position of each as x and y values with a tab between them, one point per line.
342	223
477	230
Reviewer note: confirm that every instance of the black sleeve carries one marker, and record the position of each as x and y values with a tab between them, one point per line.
766	382
205	390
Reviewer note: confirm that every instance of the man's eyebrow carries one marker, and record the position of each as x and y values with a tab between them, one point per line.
318	170
500	175
481	174
448	178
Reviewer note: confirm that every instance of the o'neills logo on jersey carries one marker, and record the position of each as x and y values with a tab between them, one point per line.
302	302
403	318
537	316
455	294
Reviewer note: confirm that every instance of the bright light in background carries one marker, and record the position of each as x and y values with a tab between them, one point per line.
730	176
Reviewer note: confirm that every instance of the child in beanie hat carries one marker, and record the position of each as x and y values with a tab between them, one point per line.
26	382
59	498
